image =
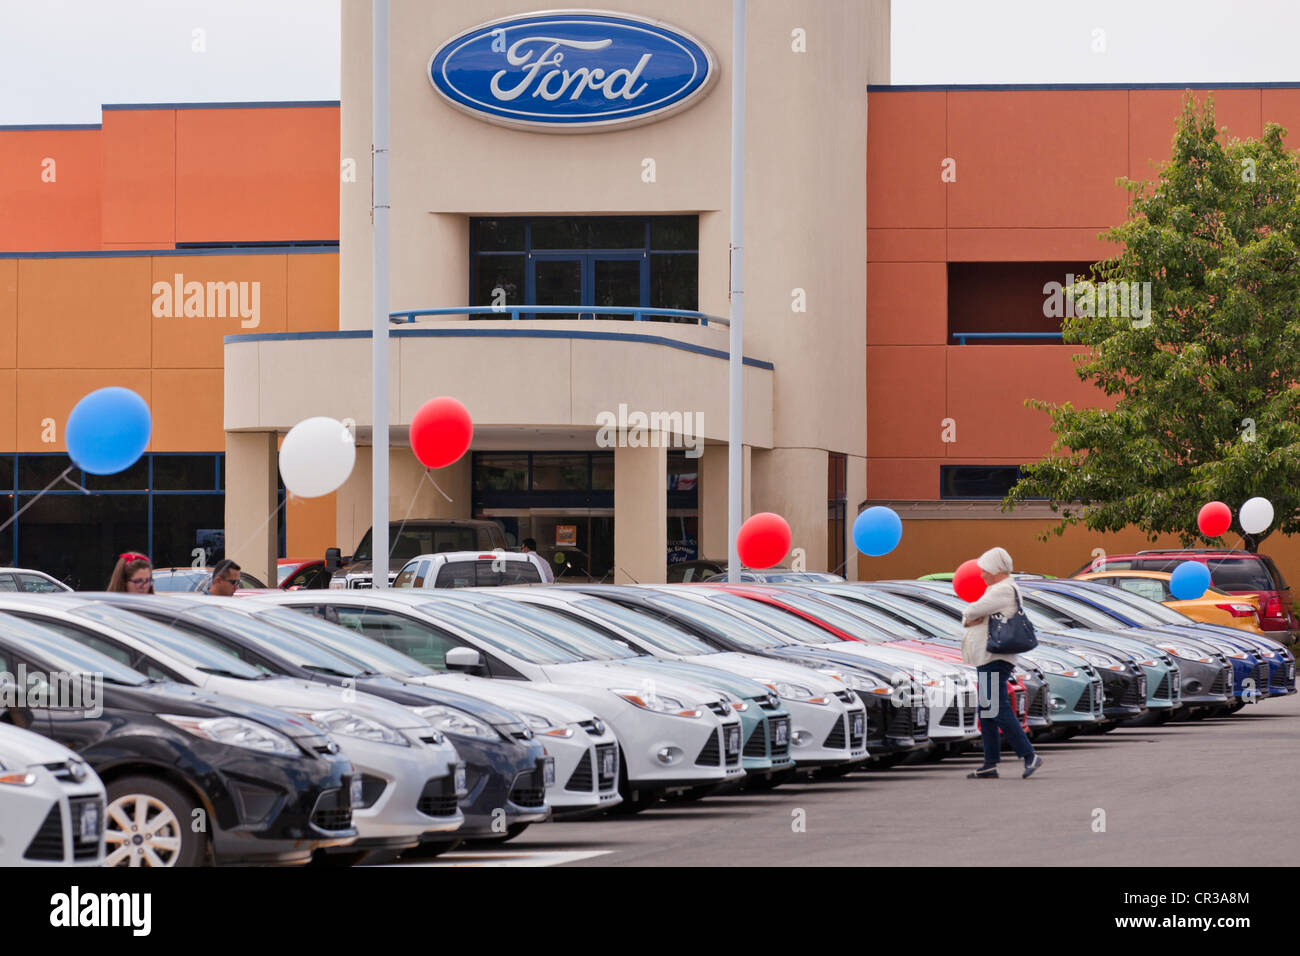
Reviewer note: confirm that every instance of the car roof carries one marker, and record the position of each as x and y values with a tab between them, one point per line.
1125	572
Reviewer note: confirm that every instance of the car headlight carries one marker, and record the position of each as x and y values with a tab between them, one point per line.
452	721
344	723
738	705
236	732
1098	660
658	704
1052	667
541	725
797	692
16	778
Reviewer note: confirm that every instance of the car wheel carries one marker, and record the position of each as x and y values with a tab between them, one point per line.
148	823
1064	733
634	801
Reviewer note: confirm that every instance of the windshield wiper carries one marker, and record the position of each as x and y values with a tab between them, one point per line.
322	669
220	672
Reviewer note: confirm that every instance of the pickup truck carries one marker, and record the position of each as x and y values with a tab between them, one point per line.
410	539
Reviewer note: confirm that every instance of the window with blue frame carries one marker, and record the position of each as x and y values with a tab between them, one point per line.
589	262
168	505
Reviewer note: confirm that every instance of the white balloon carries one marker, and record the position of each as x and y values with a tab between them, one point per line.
316	457
1256	515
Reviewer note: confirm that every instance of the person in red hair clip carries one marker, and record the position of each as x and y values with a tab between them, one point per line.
132	574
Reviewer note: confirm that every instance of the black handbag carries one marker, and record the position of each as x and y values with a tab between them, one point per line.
1011	635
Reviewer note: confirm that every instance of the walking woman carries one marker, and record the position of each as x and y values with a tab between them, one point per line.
133	574
1002	597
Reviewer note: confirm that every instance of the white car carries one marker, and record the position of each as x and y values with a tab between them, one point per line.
30	581
51	803
470	569
381	739
822	708
672	734
584	748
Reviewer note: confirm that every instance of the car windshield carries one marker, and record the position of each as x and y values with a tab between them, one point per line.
1141	609
283	571
576	637
842	618
1241	574
1082	612
502	635
480	573
65	654
783	622
184	647
369	653
277	641
731	626
180	580
412	542
656	631
928	622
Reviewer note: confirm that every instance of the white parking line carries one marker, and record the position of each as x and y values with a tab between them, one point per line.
507	858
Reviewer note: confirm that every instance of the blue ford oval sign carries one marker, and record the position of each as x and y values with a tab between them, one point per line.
572	71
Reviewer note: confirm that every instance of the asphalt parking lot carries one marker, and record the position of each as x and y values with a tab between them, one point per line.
1210	792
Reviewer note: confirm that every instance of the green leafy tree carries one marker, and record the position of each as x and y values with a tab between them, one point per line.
1204	384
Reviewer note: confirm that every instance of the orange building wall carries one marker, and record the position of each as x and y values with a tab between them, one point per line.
1035	181
143	181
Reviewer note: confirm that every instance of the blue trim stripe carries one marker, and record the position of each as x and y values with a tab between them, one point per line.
26	127
246	105
972	87
496	334
147	253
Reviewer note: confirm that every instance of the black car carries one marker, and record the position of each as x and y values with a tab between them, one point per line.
192	777
505	765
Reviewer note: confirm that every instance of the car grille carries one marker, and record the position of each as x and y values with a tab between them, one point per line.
756	745
836	739
331	812
1278	679
1162	689
711	754
48	842
84	849
951	717
1038	703
1261	676
1221	684
372	788
608	781
528	796
1084	704
438	798
1132	696
581	779
900	721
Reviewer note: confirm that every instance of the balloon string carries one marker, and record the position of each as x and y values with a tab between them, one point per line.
411	504
37	497
259	528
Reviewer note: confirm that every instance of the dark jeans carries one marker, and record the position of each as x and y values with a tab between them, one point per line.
997	672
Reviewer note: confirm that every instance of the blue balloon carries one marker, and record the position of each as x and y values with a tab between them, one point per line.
877	531
108	431
1189	581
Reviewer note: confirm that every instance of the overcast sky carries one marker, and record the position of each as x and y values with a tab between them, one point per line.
60	59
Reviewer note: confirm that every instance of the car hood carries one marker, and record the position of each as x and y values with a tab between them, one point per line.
612	674
20	749
171	698
764	669
511	695
299	696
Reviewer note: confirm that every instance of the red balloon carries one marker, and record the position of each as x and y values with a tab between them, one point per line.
1214	519
763	540
441	431
967	581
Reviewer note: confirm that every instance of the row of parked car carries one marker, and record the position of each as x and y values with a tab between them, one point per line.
359	726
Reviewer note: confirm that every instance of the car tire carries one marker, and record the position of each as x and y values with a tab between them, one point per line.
885	761
1064	733
165	812
634	800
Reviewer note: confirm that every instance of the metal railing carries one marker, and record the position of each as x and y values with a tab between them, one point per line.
961	337
583	312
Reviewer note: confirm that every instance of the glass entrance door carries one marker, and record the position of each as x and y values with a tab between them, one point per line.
558	280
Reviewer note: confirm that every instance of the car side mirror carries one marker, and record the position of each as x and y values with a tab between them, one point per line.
464	659
333	559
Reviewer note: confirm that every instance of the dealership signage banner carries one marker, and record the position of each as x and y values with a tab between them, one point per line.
572	71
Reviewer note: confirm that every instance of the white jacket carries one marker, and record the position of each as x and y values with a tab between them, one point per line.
1000	598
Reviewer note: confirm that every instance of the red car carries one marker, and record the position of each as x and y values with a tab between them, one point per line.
775	597
1237	572
295	574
